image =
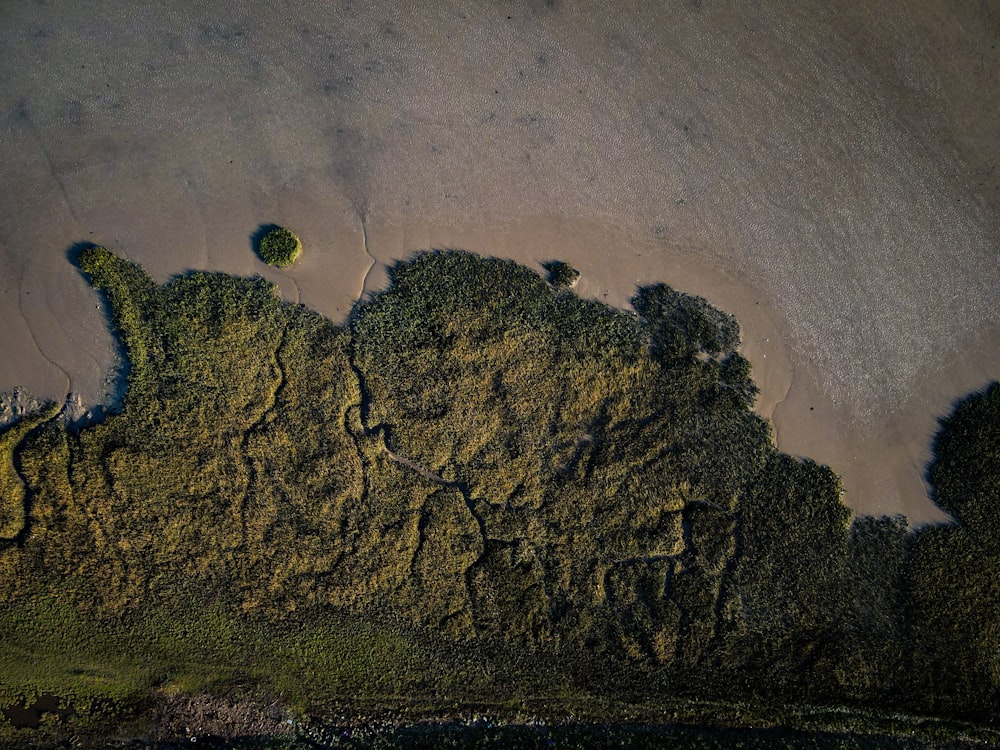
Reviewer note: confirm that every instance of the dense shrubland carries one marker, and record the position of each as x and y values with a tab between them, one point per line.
483	488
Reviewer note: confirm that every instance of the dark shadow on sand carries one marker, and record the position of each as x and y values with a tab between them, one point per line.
258	234
114	395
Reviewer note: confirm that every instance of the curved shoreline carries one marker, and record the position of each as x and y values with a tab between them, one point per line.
881	460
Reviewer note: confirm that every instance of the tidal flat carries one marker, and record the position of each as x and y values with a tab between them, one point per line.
828	175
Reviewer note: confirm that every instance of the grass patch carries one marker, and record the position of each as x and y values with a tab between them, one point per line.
13	495
561	274
483	491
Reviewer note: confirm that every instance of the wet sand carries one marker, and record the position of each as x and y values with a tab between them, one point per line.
828	176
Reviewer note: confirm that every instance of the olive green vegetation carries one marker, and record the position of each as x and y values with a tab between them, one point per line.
954	585
483	491
561	274
280	247
12	491
489	733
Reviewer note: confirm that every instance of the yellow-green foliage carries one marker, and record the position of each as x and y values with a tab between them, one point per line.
12	491
570	443
280	247
221	475
484	483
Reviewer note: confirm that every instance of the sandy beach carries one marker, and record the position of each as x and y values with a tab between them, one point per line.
827	175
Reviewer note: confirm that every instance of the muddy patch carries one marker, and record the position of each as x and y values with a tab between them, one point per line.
31	716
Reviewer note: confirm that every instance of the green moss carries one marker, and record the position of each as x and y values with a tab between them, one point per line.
280	247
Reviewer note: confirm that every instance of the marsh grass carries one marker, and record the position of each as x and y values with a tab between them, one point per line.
483	490
13	494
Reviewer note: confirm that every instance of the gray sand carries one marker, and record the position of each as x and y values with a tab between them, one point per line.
828	175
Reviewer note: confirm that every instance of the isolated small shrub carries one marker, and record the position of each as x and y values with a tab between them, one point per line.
280	247
561	274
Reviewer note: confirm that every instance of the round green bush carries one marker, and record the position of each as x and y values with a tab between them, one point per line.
280	247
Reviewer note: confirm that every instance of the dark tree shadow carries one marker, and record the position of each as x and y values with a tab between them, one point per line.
258	235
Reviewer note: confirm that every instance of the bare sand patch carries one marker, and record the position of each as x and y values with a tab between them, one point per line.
883	461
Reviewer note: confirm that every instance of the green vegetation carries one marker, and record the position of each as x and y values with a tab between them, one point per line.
954	580
561	274
280	247
484	491
13	496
